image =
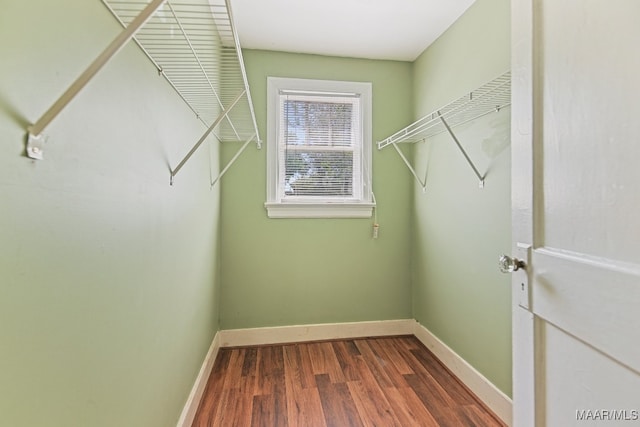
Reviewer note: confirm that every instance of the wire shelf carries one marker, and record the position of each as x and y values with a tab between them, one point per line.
488	98
194	45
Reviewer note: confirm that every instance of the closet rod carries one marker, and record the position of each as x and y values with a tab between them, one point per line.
206	134
462	150
233	160
34	144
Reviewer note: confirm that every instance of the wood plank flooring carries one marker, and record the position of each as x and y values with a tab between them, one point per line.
390	381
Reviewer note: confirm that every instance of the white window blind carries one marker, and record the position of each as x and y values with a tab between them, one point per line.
319	146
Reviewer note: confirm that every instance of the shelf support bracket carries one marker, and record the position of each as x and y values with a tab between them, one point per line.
34	141
462	150
423	183
233	160
220	118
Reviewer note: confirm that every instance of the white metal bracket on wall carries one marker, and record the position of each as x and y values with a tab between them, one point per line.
204	136
488	98
195	47
463	151
35	138
421	181
233	160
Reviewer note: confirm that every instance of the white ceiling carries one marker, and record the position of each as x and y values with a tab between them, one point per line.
376	29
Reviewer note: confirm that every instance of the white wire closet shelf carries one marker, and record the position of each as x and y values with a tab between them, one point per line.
194	45
488	98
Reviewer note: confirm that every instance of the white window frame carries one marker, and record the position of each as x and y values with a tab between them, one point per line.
334	207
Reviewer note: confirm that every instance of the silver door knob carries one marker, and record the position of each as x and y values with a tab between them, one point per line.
509	265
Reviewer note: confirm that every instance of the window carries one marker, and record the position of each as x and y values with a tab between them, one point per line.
318	149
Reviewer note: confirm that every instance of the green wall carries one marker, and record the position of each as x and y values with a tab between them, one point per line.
305	271
113	283
108	276
436	256
460	230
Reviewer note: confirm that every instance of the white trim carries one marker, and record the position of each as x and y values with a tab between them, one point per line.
277	208
327	331
319	210
191	406
495	399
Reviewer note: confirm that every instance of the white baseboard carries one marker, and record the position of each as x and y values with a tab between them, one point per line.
190	408
495	399
325	331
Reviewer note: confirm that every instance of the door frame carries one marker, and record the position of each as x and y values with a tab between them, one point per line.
526	356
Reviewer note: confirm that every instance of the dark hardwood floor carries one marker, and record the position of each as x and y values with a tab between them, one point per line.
390	381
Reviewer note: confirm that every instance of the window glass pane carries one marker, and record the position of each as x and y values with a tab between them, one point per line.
320	143
324	173
318	148
318	123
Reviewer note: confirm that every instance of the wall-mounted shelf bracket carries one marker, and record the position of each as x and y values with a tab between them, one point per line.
204	136
35	145
233	160
34	139
489	98
462	150
422	182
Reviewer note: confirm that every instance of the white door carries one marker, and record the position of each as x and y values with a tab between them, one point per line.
576	204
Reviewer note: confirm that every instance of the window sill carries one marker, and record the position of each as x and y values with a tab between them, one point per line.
319	210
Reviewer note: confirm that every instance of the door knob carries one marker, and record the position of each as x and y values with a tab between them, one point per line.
509	265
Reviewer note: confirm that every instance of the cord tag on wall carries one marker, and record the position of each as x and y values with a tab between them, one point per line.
376	227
